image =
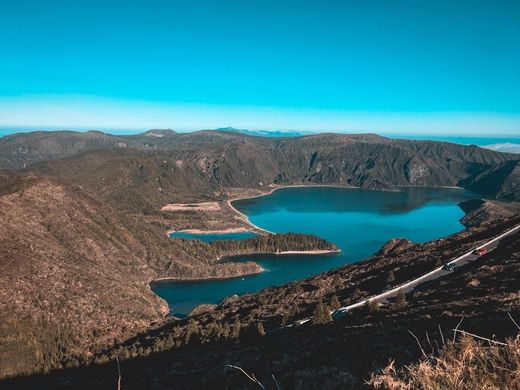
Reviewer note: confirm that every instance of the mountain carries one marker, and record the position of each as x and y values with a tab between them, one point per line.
23	149
75	273
479	211
144	172
501	181
196	353
83	234
266	133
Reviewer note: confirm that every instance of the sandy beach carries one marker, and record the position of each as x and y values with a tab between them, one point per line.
309	252
215	231
203	206
206	279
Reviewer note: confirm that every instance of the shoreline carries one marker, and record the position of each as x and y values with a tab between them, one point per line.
257	229
261	270
202	232
245	218
303	252
205	279
310	252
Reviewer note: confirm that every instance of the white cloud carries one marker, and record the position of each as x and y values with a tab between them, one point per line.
83	112
506	147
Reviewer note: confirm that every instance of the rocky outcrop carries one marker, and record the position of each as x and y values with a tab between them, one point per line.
501	181
394	247
480	211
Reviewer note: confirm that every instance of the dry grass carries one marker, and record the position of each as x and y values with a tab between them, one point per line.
202	206
468	363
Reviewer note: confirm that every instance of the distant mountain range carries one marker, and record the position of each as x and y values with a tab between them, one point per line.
267	133
161	165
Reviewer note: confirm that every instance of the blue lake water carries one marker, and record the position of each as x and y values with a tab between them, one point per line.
358	221
209	237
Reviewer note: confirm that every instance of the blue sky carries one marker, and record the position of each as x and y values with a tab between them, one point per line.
383	66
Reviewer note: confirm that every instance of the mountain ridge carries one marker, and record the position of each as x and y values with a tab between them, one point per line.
161	170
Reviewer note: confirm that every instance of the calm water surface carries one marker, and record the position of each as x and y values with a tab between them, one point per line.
358	221
209	237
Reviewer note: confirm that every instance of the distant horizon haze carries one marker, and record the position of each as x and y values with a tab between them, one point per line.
412	67
90	113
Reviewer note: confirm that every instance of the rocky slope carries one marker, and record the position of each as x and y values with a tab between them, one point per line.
342	354
70	265
22	149
153	171
480	211
501	181
82	236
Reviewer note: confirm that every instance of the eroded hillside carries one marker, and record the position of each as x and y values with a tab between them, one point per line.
75	272
344	353
144	172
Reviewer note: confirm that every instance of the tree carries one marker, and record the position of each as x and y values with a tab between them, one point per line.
235	329
285	319
372	306
321	314
289	314
400	301
260	329
253	332
357	294
192	333
226	330
335	303
337	282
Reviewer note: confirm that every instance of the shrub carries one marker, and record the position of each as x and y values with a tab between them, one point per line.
357	294
400	301
466	364
372	306
289	314
321	314
260	329
334	303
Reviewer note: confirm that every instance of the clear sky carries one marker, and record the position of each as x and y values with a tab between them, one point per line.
384	66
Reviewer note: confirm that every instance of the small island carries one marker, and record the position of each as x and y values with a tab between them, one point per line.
220	255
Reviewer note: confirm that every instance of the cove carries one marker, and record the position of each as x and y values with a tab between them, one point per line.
358	221
210	237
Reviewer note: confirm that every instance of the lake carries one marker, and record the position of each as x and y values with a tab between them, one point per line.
358	221
210	237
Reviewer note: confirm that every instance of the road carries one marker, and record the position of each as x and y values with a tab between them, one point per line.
436	273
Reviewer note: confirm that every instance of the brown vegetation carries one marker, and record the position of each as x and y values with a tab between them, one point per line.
468	363
83	235
71	265
341	353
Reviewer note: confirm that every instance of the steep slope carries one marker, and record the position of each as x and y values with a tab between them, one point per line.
75	273
501	181
202	165
342	354
72	274
480	211
20	150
